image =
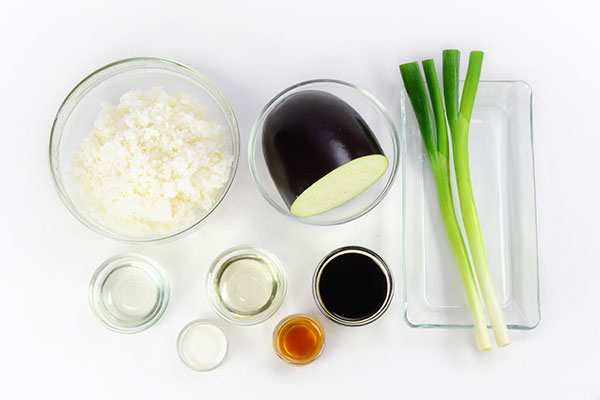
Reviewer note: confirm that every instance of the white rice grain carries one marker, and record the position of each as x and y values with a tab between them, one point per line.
152	163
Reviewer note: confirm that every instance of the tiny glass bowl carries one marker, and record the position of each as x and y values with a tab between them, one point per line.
128	293
75	120
298	339
202	345
246	285
375	115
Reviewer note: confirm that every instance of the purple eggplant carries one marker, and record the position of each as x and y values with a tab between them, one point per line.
320	152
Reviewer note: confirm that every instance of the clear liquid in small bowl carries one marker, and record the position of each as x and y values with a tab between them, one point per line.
129	294
246	285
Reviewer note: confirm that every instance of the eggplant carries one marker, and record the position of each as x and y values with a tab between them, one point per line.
320	152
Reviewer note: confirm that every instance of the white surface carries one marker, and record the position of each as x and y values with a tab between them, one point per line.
51	345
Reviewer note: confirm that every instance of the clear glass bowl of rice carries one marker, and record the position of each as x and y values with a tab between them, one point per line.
144	150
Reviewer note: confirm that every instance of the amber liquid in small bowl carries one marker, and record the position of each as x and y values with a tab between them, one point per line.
298	339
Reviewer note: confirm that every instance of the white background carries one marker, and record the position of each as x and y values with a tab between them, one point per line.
52	347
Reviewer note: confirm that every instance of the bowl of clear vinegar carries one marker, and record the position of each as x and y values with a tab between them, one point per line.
246	285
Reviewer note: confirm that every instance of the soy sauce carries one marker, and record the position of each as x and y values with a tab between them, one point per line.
353	285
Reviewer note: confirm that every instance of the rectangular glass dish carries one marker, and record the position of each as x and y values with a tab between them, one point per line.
502	171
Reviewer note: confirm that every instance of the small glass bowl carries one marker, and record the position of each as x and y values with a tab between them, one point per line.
378	119
128	293
215	281
380	263
202	345
298	319
76	115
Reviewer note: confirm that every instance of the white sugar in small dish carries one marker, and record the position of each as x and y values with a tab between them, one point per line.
202	345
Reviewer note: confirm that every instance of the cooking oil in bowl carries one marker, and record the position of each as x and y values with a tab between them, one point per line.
246	285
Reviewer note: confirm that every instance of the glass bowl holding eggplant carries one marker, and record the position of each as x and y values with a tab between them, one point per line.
324	152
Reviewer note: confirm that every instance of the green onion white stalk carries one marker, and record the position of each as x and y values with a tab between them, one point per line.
436	145
438	152
459	120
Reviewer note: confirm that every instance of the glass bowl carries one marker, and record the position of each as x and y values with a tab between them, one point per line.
76	115
202	345
385	272
298	339
378	119
128	293
246	285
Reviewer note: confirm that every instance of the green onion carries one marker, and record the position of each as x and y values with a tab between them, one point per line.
459	120
435	138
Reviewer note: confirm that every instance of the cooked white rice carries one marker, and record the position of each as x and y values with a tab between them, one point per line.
152	163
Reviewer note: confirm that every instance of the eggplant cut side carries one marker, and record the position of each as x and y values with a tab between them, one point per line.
320	152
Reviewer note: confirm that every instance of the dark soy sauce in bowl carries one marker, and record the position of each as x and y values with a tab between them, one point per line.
352	286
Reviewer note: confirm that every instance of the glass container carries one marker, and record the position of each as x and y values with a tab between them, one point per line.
75	119
128	293
375	115
202	345
298	339
246	285
502	171
386	294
